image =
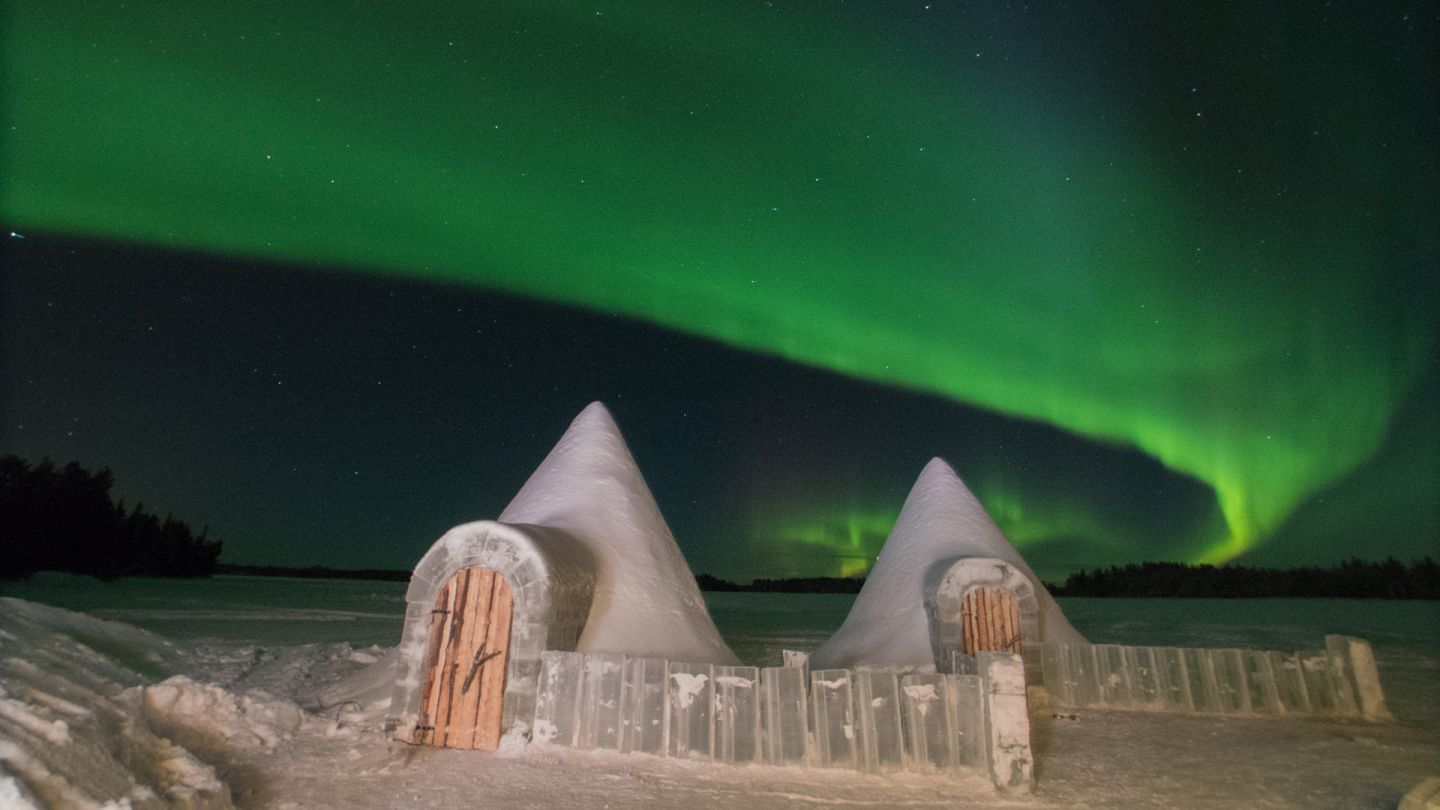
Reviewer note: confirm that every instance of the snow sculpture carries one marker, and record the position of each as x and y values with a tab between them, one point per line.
942	546
646	602
592	568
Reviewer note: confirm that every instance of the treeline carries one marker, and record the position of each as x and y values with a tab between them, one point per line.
314	572
63	519
1353	579
794	585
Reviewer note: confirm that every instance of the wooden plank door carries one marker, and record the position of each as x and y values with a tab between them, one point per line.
991	619
463	698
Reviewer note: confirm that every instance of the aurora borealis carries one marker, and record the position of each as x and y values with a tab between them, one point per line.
1174	269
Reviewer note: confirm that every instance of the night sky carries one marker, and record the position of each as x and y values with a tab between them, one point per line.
1159	279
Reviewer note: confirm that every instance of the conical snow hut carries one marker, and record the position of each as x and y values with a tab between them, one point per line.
946	581
580	560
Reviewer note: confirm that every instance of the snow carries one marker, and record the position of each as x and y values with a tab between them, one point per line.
227	698
941	521
646	602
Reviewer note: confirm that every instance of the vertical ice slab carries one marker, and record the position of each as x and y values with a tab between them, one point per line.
1260	681
1319	686
1174	679
880	746
1084	678
832	711
784	711
1358	663
644	718
1112	675
1289	683
1007	717
1055	673
1145	688
1201	676
737	714
930	737
692	711
557	706
965	698
1229	668
600	693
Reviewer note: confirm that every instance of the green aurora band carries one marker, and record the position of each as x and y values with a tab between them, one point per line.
1175	244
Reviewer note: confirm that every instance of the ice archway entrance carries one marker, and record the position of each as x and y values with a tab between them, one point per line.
463	697
981	604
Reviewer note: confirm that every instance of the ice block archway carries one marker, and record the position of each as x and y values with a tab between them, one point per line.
552	578
945	599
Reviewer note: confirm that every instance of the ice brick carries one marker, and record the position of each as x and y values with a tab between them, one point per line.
1084	680
1145	689
557	705
1174	679
965	701
603	682
1112	675
784	715
1260	682
832	711
1055	673
692	717
1319	686
737	714
643	721
1289	683
1345	699
881	744
1360	665
931	739
1231	691
1201	677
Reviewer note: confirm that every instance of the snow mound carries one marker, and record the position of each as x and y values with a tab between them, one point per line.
646	602
206	716
942	521
72	730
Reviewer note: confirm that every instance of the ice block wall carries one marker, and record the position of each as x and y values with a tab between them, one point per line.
1339	681
879	722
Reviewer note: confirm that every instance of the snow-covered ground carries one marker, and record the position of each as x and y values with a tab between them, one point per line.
271	693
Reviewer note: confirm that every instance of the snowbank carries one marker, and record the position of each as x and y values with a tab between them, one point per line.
72	726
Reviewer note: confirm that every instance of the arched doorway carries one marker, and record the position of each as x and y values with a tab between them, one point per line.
990	616
462	701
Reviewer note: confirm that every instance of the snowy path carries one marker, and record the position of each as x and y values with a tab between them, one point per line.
1098	761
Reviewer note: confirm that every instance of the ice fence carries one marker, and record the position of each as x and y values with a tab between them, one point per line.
873	721
1338	681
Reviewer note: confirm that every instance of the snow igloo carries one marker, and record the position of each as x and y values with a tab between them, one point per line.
580	560
946	583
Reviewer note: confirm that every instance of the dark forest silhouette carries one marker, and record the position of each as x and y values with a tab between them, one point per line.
1353	579
63	519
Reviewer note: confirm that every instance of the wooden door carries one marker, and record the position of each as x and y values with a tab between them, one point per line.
991	619
463	699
